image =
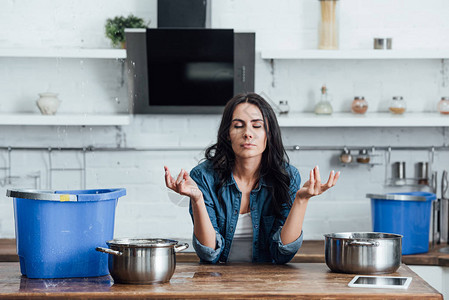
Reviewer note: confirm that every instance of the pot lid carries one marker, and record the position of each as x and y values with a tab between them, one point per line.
140	243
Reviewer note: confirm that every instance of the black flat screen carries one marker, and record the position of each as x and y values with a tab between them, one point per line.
190	67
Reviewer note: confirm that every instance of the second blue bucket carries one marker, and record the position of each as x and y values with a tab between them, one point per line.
57	231
407	214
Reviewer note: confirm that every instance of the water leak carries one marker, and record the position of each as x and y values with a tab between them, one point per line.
205	275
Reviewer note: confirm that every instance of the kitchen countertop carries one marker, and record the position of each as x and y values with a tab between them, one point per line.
313	252
193	280
310	252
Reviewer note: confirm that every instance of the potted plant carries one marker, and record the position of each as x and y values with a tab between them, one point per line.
115	28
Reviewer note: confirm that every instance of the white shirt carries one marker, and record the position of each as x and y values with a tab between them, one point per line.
242	244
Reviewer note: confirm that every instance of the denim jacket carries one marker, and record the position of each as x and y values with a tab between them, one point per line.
267	244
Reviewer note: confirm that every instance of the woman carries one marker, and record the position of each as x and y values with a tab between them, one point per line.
245	199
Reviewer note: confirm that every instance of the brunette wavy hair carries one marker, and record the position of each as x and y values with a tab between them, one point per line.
274	158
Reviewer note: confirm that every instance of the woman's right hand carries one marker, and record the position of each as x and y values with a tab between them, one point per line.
183	184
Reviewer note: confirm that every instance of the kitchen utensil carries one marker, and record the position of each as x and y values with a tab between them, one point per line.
142	261
444	210
383	43
398	170
363	252
422	172
434	237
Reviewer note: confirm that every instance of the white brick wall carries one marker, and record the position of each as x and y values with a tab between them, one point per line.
88	86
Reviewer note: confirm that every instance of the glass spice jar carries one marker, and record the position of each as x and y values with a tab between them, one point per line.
284	107
328	26
397	105
359	105
443	106
345	156
363	157
324	107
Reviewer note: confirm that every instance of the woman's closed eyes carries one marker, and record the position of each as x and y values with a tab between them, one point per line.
241	124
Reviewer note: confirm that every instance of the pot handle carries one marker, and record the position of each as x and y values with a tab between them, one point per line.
360	243
181	247
109	251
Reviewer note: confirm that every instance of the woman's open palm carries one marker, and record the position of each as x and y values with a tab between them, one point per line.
314	187
183	184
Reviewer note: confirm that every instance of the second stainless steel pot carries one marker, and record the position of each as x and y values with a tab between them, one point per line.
363	252
142	261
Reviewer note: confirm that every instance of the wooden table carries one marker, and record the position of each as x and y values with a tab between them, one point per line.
193	281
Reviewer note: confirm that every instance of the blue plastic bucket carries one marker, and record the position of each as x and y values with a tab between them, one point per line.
57	231
407	214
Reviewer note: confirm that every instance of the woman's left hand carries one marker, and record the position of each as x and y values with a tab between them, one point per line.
314	187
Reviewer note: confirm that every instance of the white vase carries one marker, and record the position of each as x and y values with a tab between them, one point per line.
48	103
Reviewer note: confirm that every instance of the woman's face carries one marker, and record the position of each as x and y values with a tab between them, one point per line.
247	132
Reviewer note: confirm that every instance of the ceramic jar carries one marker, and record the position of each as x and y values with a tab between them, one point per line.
359	105
48	103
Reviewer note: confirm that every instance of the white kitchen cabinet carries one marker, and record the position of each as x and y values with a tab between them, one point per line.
64	119
436	276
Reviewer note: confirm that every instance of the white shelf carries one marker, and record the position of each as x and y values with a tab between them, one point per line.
290	120
64	53
356	54
64	119
386	119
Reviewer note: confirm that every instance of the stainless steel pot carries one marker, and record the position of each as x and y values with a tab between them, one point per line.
142	261
363	252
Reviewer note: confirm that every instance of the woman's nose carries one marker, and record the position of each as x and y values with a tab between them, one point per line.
248	135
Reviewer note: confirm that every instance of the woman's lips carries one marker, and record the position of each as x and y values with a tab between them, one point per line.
248	146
